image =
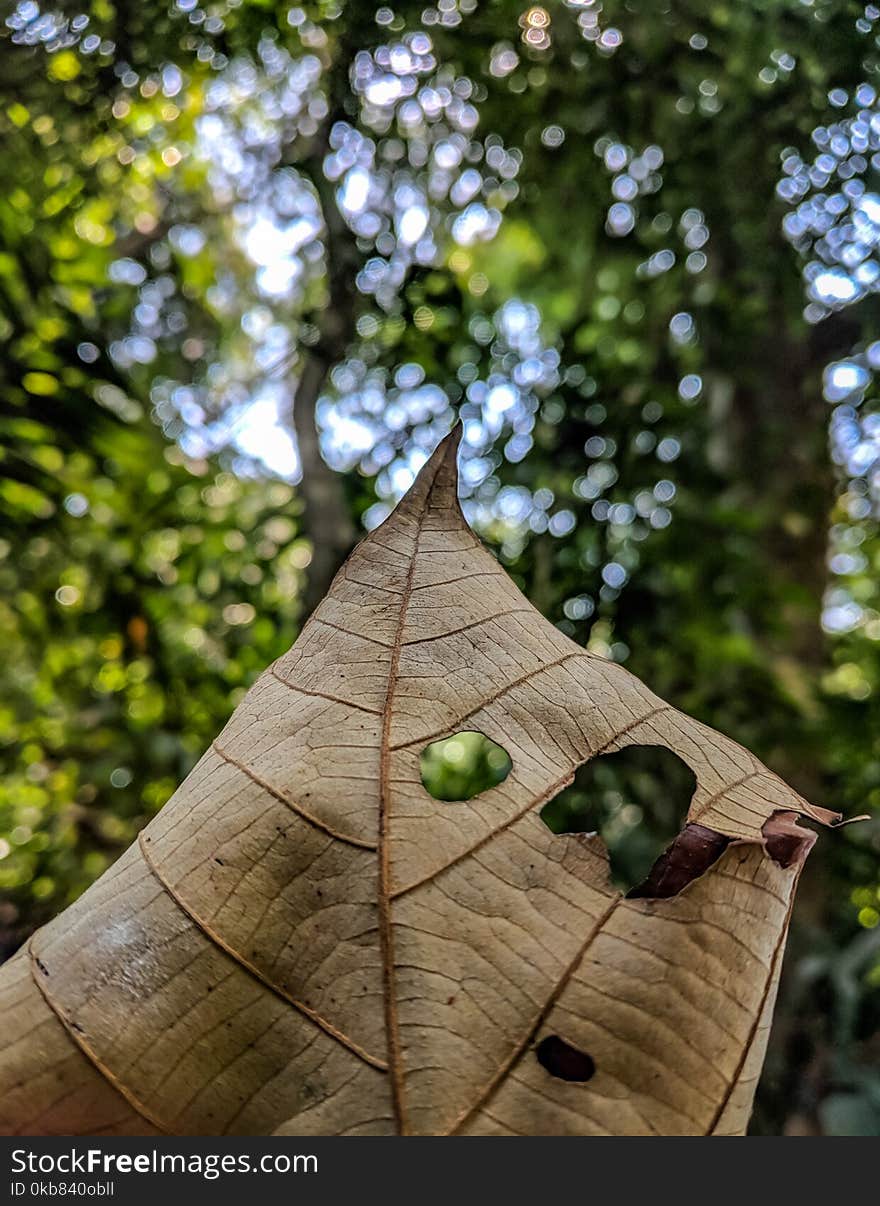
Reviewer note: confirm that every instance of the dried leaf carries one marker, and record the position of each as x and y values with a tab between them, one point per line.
305	942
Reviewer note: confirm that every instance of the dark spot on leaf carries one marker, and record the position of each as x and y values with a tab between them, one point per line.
786	842
690	854
564	1061
463	765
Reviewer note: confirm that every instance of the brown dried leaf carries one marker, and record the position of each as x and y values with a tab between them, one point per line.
305	942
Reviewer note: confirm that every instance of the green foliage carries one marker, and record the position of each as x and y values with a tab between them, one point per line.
461	766
636	799
133	620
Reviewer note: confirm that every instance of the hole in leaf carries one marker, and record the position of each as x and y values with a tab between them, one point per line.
461	766
636	799
562	1060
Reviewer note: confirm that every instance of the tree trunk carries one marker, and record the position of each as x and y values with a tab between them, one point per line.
326	516
327	519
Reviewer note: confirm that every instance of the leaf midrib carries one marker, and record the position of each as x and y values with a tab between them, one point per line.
386	927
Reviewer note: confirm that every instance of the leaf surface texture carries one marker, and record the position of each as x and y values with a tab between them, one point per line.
303	941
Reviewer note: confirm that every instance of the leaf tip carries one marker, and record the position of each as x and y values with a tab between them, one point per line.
436	484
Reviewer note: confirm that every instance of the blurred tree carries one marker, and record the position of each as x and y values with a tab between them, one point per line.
143	589
632	245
